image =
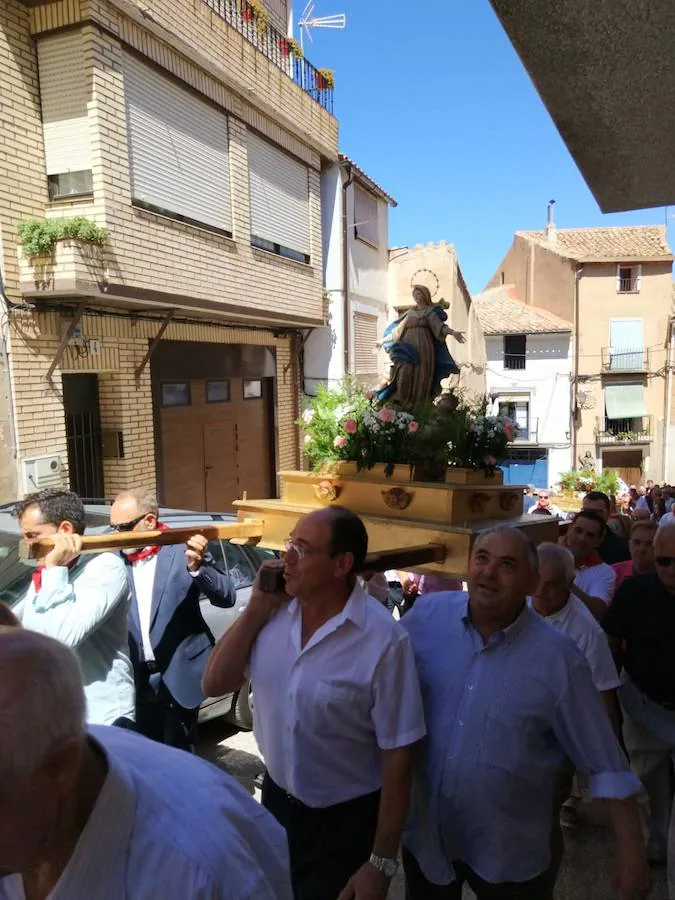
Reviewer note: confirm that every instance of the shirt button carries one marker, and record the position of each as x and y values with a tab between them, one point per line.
470	687
460	722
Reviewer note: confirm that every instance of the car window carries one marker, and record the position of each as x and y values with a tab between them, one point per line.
259	554
15	573
239	567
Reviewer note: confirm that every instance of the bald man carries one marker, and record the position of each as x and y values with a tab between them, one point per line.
169	640
107	814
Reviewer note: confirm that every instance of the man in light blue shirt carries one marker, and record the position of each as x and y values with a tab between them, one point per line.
508	700
84	603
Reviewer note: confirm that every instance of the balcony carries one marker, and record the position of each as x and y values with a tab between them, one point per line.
276	48
623	432
514	360
625	359
527	434
629	285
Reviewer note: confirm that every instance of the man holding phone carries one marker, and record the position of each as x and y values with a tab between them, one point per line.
337	708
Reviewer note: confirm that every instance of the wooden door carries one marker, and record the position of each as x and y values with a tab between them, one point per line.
183	460
253	443
220	465
627	464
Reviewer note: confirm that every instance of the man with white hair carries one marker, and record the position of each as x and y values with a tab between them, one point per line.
107	814
640	623
507	700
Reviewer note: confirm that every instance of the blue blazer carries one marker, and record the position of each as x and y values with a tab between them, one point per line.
180	638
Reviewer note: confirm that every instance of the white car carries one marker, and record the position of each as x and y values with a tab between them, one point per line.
240	562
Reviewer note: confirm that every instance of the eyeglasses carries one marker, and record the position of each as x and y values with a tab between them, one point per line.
300	550
128	526
664	561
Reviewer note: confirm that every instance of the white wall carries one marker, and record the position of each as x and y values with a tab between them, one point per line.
368	281
545	384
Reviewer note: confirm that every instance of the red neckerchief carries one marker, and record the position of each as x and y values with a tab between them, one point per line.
146	552
37	575
593	559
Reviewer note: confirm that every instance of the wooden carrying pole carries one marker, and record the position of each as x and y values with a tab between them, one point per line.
115	540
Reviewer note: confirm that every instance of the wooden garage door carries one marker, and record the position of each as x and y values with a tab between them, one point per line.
215	442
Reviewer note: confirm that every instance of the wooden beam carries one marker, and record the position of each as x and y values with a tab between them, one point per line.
115	540
68	333
405	557
153	343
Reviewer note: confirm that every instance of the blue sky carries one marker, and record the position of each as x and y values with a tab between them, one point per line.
435	105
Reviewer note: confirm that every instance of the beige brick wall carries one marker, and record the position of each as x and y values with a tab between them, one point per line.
126	402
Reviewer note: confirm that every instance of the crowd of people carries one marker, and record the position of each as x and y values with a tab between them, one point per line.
458	738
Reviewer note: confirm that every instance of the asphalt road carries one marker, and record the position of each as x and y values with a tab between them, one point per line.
587	868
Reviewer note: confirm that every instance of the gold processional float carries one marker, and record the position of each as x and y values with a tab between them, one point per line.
413	523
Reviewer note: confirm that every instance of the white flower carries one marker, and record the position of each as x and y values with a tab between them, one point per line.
308	439
307	417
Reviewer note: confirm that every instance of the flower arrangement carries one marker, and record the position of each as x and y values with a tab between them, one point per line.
584	480
351	425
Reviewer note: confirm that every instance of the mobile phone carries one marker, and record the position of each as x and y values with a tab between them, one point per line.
272	581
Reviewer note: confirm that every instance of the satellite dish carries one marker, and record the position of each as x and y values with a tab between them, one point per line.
308	21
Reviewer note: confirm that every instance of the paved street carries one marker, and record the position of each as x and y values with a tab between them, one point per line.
587	870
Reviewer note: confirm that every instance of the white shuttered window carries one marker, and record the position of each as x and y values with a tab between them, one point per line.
365	340
279	197
365	215
178	148
64	95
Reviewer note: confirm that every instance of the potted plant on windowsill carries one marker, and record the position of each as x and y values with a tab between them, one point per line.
39	237
254	11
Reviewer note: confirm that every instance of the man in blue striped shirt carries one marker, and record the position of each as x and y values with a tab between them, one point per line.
508	700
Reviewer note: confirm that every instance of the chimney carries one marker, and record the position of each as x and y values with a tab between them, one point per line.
550	225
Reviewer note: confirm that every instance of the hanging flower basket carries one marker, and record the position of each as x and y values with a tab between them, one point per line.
247	13
284	46
325	79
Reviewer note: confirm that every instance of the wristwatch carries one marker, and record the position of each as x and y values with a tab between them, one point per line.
386	867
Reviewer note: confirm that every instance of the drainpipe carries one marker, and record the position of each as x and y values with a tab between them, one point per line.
346	317
668	402
575	381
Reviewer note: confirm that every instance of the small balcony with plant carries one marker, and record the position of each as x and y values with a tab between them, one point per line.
636	430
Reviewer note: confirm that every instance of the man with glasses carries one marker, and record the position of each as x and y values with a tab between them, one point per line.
640	624
337	709
168	637
82	601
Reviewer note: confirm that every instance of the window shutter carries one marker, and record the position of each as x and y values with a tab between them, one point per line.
64	94
365	339
178	148
279	196
618	278
365	215
638	280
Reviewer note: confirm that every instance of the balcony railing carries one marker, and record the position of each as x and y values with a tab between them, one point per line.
527	434
275	46
628	285
625	359
638	430
514	360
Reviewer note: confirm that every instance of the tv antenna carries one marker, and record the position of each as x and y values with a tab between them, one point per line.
308	21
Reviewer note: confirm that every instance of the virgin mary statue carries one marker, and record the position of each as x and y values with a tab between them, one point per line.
418	352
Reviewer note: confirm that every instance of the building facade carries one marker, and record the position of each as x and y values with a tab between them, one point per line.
528	379
615	286
355	226
168	356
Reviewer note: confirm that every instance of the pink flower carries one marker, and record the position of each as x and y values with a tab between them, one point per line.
340	441
371	395
412	427
386	415
351	426
489	461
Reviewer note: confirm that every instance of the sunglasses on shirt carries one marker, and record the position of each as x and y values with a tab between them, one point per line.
664	561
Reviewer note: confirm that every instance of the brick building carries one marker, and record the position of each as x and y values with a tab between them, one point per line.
168	356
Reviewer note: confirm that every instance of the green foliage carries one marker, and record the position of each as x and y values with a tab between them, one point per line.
326	78
348	424
39	236
584	480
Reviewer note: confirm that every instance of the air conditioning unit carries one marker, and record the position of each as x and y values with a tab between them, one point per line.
41	472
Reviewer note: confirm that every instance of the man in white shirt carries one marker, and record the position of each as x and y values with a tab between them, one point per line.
337	710
81	601
594	581
107	814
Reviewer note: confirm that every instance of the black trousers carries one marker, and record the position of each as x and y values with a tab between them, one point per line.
328	845
419	888
159	717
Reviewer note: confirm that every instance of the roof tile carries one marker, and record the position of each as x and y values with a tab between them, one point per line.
500	312
635	243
